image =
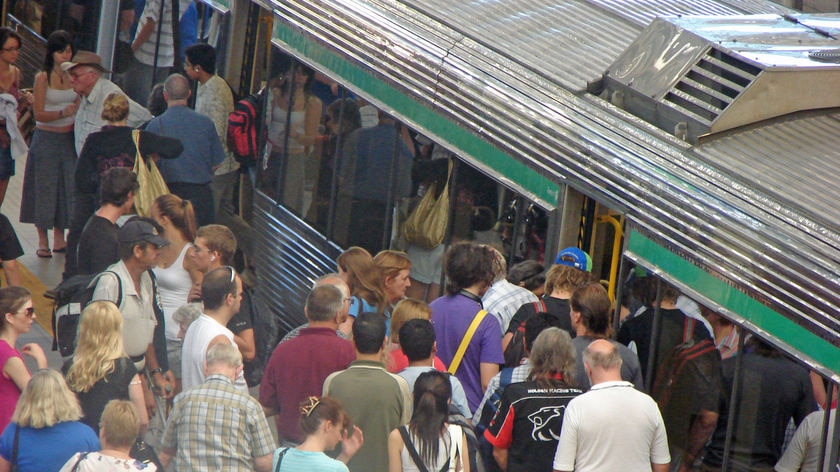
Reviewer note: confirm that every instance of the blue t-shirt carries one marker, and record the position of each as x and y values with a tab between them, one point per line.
295	460
359	305
47	449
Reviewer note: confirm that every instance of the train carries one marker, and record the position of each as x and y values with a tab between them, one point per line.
692	138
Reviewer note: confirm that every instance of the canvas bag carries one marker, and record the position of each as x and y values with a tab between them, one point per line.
426	225
151	181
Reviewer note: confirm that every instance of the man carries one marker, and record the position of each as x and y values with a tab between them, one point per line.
214	247
724	331
590	308
503	298
469	273
221	292
298	367
417	340
215	426
613	426
85	70
375	399
215	101
99	244
128	283
329	279
152	61
189	174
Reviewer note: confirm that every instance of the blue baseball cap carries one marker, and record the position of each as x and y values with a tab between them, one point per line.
574	257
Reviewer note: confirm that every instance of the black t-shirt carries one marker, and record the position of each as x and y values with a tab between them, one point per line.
528	424
556	306
10	248
113	387
99	246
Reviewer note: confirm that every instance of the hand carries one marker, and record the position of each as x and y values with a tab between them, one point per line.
149	399
195	293
70	109
34	351
350	445
163	386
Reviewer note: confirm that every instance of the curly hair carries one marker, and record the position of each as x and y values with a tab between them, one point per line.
467	264
100	345
563	277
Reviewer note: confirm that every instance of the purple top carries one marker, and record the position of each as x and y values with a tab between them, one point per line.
9	392
452	315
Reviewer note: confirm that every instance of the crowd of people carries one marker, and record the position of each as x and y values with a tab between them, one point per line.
515	370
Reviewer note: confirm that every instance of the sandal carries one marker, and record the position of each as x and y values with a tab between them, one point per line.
45	253
60	249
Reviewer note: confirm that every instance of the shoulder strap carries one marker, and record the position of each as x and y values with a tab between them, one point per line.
462	348
506	377
688	328
539	306
411	450
119	287
15	446
82	456
280	459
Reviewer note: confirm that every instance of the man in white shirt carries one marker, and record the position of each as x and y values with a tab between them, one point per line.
613	426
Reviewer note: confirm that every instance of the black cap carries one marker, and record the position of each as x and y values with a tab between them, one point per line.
136	231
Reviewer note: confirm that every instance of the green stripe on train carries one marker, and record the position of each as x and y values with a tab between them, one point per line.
516	171
739	303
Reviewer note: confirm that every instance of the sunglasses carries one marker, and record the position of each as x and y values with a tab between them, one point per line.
28	312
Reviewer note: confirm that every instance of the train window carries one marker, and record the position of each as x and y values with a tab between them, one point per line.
730	400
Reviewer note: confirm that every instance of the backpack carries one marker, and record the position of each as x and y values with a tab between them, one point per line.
488	412
515	350
476	461
244	124
71	298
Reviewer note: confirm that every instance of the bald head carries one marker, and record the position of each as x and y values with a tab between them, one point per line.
341	285
176	88
602	361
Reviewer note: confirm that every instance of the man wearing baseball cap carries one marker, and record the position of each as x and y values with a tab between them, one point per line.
128	283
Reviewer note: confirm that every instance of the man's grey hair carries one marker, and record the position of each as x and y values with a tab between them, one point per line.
224	354
187	313
608	360
177	87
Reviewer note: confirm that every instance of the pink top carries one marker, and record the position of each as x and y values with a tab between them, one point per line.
9	392
398	361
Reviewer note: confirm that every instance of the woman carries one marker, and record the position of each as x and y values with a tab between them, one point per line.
394	267
10	43
342	117
357	269
111	147
428	439
175	273
47	181
99	370
292	108
408	309
325	425
119	429
46	422
526	428
18	316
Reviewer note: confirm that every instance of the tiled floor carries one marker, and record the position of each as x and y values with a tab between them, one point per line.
47	270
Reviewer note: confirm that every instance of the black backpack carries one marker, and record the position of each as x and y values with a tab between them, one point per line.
515	350
244	124
71	297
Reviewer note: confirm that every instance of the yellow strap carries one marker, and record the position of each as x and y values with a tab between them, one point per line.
462	349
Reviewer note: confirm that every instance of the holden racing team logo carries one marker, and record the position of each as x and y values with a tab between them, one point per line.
542	421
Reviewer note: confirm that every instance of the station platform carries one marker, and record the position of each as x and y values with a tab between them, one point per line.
38	274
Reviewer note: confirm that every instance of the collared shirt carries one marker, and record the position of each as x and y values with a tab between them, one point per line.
89	114
215	101
459	398
728	346
137	308
503	299
214	426
202	147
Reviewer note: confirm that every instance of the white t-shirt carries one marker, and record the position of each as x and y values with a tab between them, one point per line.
613	426
194	351
803	451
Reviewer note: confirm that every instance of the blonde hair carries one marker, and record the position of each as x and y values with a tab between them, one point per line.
563	277
224	354
364	277
115	107
100	344
391	262
46	401
120	423
408	309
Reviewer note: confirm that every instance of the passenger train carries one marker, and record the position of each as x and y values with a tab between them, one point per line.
693	138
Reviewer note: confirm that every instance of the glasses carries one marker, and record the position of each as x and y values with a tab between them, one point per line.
29	312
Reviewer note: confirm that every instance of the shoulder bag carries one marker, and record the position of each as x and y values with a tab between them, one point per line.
426	225
465	342
151	181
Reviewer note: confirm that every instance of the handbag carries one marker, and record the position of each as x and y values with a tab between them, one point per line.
151	181
144	453
426	225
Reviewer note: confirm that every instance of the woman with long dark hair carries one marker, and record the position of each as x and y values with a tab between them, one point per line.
11	141
48	179
428	442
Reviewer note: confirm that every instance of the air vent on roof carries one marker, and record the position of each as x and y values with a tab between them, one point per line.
703	75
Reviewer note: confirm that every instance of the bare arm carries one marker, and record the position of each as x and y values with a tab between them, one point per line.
464	461
135	394
659	467
12	271
16	370
126	19
220	339
5	466
501	456
143	34
263	463
506	340
487	373
165	455
702	427
395	445
247	346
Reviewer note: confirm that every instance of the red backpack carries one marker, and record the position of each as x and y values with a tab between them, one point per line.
244	124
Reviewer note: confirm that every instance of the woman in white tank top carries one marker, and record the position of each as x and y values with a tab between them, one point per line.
175	274
48	179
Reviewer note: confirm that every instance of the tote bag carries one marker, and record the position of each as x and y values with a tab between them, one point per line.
151	182
426	225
